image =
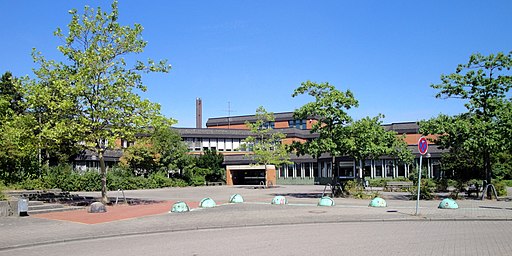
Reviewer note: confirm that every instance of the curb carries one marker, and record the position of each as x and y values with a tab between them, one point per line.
214	227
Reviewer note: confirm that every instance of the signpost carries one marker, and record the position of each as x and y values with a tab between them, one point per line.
422	148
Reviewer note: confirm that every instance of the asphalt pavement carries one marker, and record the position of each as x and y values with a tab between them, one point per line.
256	211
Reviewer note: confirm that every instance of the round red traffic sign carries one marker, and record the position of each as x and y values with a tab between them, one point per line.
422	145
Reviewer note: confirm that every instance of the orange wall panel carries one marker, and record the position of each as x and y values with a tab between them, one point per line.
281	124
233	126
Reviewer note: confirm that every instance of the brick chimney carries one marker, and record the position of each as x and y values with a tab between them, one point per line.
199	113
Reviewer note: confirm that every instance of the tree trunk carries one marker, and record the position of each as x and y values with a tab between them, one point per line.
488	172
103	172
333	164
361	169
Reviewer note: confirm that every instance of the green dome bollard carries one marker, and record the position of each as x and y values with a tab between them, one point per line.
180	207
279	200
207	203
236	198
378	202
448	203
326	201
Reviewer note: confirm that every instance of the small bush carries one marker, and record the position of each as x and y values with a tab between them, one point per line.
159	180
2	188
33	184
65	178
501	188
507	183
355	190
427	189
381	182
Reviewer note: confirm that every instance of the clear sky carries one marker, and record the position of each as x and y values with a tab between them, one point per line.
255	53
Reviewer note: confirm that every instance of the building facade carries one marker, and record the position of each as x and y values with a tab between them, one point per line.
226	135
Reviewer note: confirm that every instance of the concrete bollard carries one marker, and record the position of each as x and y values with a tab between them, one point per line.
236	198
97	207
279	200
326	201
22	207
378	202
207	203
448	203
180	207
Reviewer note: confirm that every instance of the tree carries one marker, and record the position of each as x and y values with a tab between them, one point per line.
266	144
18	148
483	84
142	158
170	147
369	140
212	161
330	108
95	86
10	92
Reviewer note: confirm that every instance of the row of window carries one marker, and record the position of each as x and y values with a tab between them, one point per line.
201	144
372	168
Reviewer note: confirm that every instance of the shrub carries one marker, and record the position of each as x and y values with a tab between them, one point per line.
381	182
501	188
427	189
65	178
159	180
355	190
31	184
2	188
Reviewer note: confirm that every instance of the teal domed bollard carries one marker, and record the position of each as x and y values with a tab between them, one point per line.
180	207
279	200
207	203
236	198
378	202
326	201
448	203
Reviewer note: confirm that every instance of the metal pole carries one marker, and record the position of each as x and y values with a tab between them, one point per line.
419	186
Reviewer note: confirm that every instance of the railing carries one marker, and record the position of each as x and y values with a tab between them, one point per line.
117	197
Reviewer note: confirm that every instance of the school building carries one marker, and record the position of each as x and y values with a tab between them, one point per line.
226	134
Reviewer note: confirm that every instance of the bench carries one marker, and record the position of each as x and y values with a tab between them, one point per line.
473	190
397	185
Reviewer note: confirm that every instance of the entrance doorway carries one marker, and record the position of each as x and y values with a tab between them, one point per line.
248	177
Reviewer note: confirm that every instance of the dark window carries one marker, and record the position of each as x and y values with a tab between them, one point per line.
290	170
316	170
307	172
299	124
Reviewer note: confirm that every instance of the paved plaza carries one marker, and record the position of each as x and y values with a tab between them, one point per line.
477	227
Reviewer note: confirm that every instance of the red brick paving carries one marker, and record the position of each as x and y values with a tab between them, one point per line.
114	213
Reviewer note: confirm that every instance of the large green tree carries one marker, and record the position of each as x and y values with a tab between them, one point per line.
266	144
18	145
211	161
96	87
330	108
483	84
369	140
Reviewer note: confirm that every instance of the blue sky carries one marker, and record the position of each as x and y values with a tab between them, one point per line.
253	53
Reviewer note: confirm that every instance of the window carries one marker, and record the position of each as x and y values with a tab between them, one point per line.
236	144
316	170
268	125
298	170
299	124
378	168
307	170
221	144
290	170
229	144
282	173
